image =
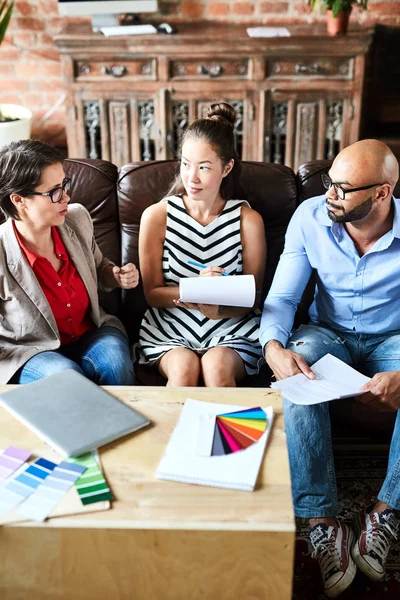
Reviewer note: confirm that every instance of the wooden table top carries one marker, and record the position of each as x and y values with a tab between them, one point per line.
144	502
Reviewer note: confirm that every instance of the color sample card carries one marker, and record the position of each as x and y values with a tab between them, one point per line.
92	486
24	484
12	459
238	430
46	497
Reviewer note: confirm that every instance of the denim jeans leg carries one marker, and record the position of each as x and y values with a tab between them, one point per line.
390	490
42	365
312	469
382	354
386	357
105	357
308	431
312	342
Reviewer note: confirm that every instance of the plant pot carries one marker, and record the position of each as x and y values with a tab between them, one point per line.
12	131
337	25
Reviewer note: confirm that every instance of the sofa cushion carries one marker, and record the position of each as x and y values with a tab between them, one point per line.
94	184
309	178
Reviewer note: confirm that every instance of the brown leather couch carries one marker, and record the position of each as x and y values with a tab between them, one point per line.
116	201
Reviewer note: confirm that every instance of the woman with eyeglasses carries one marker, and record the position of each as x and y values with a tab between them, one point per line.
50	271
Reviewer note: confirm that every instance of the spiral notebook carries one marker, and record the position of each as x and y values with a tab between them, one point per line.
217	445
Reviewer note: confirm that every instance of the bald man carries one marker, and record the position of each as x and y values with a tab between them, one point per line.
351	238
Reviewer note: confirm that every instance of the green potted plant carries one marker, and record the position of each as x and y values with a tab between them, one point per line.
15	120
338	13
6	9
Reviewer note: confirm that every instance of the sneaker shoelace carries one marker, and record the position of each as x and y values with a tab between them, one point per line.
383	531
326	552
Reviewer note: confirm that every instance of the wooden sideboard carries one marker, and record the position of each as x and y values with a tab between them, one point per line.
130	98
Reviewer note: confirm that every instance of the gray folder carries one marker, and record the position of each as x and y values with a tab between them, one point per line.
71	413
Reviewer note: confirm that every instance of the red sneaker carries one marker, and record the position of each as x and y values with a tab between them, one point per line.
332	547
375	534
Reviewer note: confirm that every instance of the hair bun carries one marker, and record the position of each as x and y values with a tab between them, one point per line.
223	113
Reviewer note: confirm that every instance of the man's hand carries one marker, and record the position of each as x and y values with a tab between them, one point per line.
126	277
285	363
383	391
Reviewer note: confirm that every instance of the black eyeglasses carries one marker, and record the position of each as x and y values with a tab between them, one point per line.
341	192
56	193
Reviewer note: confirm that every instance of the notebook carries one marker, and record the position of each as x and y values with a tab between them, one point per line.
71	413
198	453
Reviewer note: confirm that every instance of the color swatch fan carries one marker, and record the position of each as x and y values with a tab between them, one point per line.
238	430
204	446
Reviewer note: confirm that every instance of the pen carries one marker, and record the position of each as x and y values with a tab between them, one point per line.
201	266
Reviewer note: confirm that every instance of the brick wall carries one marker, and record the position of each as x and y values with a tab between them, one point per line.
29	64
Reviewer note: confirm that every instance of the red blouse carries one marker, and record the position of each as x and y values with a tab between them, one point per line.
64	290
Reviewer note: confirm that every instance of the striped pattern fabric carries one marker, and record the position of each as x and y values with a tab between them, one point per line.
215	244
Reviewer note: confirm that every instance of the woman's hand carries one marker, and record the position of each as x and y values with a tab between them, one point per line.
211	272
126	277
211	311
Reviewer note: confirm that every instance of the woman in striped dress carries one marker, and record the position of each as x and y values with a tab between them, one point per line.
199	221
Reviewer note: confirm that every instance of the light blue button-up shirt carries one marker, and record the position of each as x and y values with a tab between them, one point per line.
354	293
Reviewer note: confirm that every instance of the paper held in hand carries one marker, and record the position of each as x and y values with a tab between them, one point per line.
236	290
334	380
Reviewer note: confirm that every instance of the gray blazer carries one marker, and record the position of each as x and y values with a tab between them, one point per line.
27	324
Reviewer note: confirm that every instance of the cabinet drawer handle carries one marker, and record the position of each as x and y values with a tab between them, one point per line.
211	71
114	71
314	69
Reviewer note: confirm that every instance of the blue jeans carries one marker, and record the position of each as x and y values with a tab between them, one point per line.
308	428
102	354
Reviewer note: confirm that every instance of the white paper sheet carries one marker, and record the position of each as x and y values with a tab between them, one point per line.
335	380
180	462
268	32
235	290
128	30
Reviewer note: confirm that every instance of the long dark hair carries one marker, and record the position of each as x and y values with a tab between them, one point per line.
216	129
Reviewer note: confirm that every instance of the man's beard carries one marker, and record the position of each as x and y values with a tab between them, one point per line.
355	214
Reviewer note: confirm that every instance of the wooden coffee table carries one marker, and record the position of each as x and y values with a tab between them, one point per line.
160	540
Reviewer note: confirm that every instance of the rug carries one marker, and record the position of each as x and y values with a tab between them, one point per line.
359	478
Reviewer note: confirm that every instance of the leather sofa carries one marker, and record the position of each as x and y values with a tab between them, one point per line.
116	201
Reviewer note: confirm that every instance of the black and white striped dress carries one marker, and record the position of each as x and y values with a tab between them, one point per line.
217	244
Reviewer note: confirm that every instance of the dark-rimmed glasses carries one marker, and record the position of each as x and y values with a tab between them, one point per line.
56	193
339	191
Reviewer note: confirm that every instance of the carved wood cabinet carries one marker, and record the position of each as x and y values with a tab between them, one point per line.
130	98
